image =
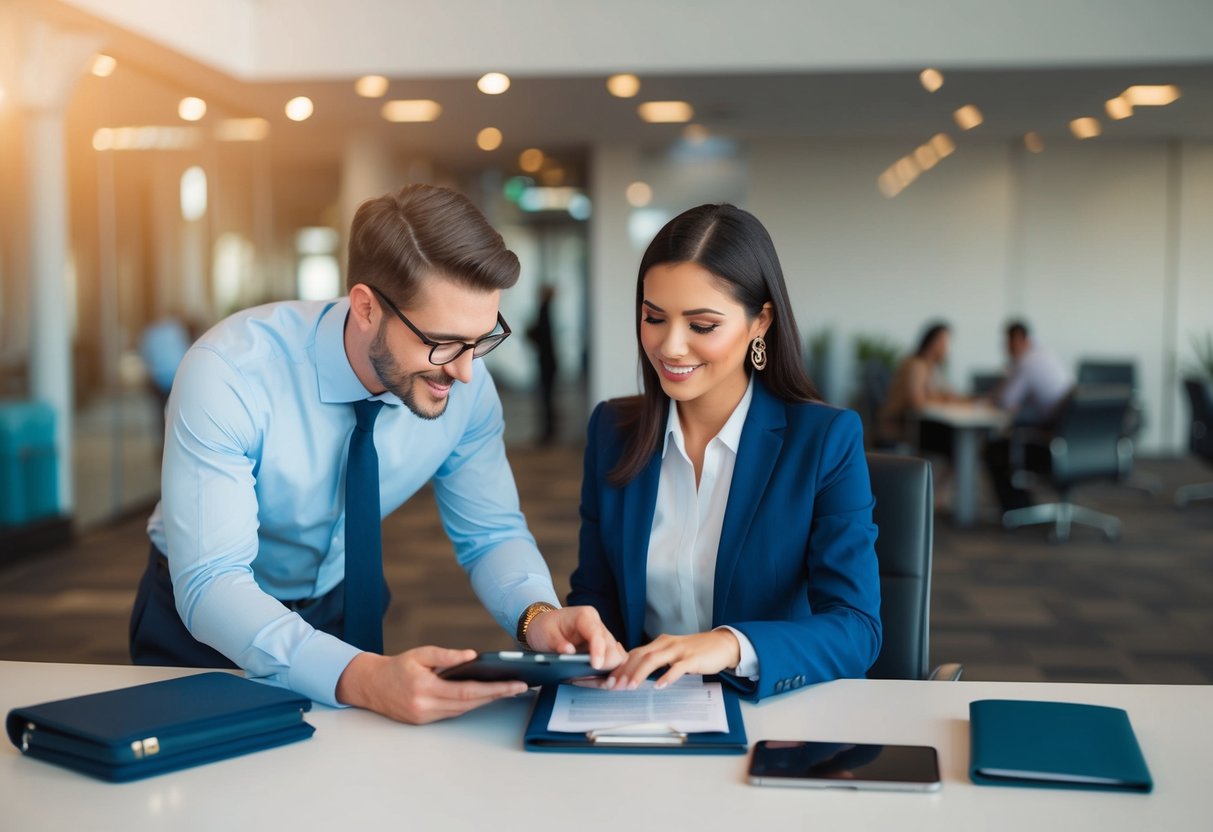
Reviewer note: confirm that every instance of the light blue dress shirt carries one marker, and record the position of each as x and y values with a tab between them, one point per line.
252	507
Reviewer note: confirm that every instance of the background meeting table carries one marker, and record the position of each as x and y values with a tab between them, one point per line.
970	422
362	771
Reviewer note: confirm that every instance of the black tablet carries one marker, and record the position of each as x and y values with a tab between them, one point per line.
515	665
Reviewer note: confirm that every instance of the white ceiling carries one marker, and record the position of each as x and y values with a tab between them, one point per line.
571	111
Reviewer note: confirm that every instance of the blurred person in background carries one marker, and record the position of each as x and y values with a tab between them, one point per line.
541	336
1035	387
917	384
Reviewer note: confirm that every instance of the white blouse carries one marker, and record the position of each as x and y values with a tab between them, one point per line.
683	542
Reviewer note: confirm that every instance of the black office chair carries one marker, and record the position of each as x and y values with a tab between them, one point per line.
905	518
1085	444
1200	437
1124	373
983	383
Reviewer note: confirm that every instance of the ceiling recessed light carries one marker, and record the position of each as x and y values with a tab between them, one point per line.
411	110
191	108
1118	107
943	145
371	86
242	130
493	83
1033	142
531	159
1146	95
299	108
488	139
1085	128
666	112
104	66
968	117
926	156
623	86
639	194
931	79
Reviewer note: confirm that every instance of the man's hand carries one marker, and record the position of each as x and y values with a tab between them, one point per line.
407	688
703	653
572	628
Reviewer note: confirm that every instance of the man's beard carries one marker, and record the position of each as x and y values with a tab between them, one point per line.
399	382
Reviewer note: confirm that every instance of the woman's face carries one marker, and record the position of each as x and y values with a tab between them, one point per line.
695	334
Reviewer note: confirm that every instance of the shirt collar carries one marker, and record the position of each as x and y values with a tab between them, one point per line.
336	378
730	434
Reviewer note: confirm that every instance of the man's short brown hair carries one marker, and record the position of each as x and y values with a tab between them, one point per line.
398	239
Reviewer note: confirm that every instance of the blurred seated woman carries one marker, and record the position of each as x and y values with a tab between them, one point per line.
726	511
917	384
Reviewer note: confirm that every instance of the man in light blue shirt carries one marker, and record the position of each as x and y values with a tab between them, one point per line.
248	555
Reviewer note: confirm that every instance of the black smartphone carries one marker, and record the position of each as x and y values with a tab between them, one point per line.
517	666
836	765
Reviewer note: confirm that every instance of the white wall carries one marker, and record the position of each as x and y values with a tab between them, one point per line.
1106	248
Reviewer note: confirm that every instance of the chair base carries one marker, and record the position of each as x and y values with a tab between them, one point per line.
1148	484
1062	516
1197	491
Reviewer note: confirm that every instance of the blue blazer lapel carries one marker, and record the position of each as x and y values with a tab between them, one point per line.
757	453
639	506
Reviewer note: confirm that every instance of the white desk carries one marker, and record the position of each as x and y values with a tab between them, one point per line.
970	422
361	771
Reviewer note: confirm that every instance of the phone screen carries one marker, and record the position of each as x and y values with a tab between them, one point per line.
793	762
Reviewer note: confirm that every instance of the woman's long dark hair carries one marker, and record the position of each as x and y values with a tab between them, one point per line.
733	245
932	332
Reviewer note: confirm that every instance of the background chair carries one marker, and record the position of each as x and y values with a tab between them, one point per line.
1200	437
1124	373
985	382
1085	444
904	515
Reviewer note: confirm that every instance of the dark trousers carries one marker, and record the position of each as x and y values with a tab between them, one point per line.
1002	470
159	637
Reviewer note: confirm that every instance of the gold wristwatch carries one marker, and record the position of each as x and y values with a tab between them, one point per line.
528	615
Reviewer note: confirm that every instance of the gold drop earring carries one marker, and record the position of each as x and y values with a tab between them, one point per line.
758	353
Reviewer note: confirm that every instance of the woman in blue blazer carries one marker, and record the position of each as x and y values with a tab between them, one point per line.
726	512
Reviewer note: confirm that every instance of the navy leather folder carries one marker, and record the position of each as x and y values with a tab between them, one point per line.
539	738
1055	745
148	729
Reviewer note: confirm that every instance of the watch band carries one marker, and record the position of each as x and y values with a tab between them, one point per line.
528	615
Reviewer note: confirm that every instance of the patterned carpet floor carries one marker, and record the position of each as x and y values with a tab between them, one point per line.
1008	606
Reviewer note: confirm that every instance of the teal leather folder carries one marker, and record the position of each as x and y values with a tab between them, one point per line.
539	738
148	729
1054	745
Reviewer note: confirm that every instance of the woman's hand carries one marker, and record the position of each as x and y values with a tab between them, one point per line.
702	653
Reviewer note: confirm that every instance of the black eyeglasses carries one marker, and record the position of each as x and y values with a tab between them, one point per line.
444	352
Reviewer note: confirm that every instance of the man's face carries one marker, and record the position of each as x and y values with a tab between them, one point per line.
444	311
1016	345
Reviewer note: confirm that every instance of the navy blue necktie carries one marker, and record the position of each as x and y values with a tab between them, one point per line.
363	535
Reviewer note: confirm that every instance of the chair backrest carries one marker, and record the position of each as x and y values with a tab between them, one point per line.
904	517
1116	372
1200	402
1107	372
985	382
1090	423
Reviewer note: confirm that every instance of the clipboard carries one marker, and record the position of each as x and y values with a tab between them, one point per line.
634	739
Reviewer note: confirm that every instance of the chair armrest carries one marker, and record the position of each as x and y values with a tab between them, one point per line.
950	672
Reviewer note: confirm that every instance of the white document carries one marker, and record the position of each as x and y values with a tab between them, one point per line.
689	705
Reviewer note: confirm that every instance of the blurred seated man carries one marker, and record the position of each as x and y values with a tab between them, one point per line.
1037	384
